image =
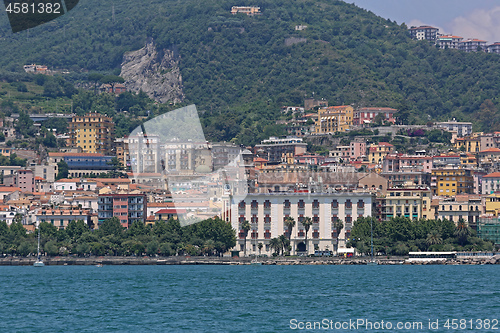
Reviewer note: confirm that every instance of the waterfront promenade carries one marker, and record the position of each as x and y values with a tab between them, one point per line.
186	260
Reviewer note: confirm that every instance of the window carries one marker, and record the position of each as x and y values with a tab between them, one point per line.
361	204
254	204
335	204
267	204
348	204
315	203
287	204
348	218
301	204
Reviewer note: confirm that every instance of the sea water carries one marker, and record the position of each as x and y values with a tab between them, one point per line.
250	298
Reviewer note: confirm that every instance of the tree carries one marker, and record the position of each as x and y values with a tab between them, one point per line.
75	229
62	170
434	238
24	124
289	223
245	227
275	245
307	223
95	78
260	246
111	226
462	232
337	226
112	80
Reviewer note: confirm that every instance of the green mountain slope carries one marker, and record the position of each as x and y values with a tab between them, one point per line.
239	70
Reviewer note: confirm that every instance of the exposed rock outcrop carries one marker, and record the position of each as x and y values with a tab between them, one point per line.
155	72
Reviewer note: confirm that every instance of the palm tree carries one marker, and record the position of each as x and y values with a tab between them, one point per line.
275	244
462	232
260	246
307	222
433	238
245	226
284	243
338	226
289	223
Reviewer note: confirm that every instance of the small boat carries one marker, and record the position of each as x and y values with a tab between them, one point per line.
98	265
39	262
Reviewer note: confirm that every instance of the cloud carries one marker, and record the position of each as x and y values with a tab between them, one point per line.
418	23
480	23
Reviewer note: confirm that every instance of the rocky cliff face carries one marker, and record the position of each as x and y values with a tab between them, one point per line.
155	72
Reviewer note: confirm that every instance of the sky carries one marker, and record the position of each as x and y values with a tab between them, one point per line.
464	18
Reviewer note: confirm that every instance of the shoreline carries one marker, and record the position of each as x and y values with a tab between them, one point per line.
185	260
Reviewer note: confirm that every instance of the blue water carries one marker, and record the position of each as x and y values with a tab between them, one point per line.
243	298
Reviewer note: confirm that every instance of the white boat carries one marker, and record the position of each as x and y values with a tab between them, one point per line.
39	262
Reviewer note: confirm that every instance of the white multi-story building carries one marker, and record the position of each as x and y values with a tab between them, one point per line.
448	42
267	213
461	128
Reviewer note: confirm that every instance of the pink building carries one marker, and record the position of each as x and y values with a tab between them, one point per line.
364	116
358	149
25	180
402	163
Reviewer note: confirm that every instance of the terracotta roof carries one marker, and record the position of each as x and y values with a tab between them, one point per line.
260	159
493	175
171	211
75	154
490	150
9	189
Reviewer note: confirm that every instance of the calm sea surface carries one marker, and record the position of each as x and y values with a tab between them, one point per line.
246	298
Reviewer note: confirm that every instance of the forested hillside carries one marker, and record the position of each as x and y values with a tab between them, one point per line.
240	69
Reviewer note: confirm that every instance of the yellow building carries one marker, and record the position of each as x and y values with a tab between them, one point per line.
470	144
93	133
492	204
414	203
334	119
451	181
468	160
377	152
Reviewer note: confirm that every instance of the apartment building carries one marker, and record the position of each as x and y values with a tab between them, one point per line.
424	32
469	144
491	183
281	150
460	128
62	217
493	48
128	207
93	133
465	207
334	119
377	152
267	213
448	42
452	181
472	45
411	202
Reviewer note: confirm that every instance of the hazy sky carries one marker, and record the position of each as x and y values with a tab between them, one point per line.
465	18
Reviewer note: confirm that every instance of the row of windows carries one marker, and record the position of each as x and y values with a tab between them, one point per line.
301	204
